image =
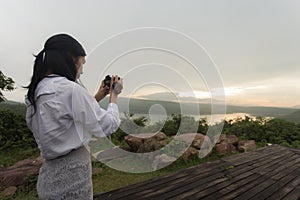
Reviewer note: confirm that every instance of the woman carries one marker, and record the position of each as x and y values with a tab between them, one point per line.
63	117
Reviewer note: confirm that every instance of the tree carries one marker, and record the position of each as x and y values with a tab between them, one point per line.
6	84
14	131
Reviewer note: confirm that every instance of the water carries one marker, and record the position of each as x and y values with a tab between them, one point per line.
211	119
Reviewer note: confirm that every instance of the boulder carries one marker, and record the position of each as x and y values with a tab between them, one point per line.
146	142
162	160
8	192
220	138
232	139
97	170
246	145
110	153
135	143
16	175
225	148
195	139
190	152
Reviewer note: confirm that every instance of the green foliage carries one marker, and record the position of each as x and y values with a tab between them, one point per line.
6	84
141	121
129	125
16	107
260	129
202	126
293	117
10	156
247	128
179	124
263	131
171	126
14	131
174	148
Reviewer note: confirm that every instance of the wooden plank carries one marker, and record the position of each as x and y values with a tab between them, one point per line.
249	158
211	186
215	191
248	186
293	195
265	162
252	155
289	161
155	182
261	186
295	170
214	178
205	183
155	190
295	150
134	189
183	184
219	194
232	186
284	191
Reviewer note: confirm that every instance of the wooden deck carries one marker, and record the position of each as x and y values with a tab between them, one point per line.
268	173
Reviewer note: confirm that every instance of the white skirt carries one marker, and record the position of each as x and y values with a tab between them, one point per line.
66	177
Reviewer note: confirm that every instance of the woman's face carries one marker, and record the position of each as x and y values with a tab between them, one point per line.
79	62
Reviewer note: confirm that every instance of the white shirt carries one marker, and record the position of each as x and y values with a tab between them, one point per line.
67	116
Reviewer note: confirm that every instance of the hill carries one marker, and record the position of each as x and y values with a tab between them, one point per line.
141	106
16	107
293	117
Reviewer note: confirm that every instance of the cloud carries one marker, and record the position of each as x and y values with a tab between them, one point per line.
196	94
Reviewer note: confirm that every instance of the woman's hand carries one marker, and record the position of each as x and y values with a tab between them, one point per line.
102	92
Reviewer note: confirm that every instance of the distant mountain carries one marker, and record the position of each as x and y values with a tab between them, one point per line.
297	106
16	107
293	117
142	106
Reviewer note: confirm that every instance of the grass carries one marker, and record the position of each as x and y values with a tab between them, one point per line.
25	193
10	156
110	179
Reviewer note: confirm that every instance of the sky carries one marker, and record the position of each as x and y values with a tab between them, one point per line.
253	46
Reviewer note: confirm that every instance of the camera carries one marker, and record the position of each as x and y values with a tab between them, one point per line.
107	81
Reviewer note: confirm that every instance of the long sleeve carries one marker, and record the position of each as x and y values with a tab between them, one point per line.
90	118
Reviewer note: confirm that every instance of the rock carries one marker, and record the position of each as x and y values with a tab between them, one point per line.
190	152
225	148
16	175
97	170
150	145
110	153
125	148
162	160
160	136
10	191
195	139
220	138
146	142
134	142
232	139
246	145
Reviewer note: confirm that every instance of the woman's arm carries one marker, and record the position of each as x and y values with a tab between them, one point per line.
90	118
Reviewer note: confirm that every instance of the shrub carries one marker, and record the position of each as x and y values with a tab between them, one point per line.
14	131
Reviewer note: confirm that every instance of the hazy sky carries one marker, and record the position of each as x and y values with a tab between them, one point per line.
255	45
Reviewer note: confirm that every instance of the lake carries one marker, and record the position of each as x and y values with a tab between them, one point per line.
211	119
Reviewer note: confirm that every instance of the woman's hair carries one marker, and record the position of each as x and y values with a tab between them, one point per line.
57	57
